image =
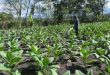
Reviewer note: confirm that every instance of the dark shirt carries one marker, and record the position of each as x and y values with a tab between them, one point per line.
76	23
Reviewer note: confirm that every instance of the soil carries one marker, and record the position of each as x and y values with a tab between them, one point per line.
66	63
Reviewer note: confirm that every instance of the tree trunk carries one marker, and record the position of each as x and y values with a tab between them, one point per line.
26	16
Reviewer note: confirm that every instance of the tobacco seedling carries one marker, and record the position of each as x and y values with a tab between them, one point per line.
43	62
10	61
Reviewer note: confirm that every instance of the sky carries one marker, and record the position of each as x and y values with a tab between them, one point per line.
107	7
106	10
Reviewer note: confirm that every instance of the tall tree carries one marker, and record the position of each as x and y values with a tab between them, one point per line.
16	6
97	7
58	11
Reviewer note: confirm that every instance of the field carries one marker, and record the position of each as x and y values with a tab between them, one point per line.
55	50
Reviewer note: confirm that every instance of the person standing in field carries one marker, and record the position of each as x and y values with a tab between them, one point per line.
76	24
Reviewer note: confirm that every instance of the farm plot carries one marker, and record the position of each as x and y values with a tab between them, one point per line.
55	50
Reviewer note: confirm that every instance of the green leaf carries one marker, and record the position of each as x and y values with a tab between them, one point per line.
51	59
40	73
3	54
3	68
97	56
85	44
94	42
1	47
102	59
101	51
16	73
9	43
67	73
107	60
90	72
77	72
85	53
91	61
108	69
18	53
9	56
53	71
40	62
54	66
48	49
15	60
57	52
35	49
46	61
